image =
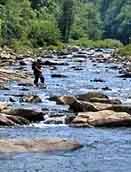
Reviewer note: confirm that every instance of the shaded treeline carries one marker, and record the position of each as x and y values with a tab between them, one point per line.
38	23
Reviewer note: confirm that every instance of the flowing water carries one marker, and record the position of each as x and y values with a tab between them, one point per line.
104	149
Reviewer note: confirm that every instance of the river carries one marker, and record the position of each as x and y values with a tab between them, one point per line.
104	149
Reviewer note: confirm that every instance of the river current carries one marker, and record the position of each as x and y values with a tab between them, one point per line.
104	150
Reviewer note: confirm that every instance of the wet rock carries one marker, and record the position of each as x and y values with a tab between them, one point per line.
5	121
51	62
69	119
90	95
106	89
22	63
82	106
31	99
66	100
3	87
105	101
76	68
125	75
18	120
97	80
3	106
8	120
43	145
24	89
121	108
85	56
25	84
104	119
58	76
74	49
10	75
29	114
11	99
102	106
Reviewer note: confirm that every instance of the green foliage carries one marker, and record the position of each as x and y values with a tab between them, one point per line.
87	22
43	33
107	43
16	20
40	23
66	19
125	51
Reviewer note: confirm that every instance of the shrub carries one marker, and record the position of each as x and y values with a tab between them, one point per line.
43	33
107	43
125	51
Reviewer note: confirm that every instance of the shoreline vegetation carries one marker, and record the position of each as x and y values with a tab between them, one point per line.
119	48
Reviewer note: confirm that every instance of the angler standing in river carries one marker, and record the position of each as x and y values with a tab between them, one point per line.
37	69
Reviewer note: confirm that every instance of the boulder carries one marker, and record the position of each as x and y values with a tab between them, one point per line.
90	95
74	49
106	118
82	106
66	100
43	145
28	114
3	105
31	99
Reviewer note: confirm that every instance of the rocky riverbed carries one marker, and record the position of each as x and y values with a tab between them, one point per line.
86	88
17	88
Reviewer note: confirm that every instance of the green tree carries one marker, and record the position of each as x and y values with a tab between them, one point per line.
66	19
17	20
43	33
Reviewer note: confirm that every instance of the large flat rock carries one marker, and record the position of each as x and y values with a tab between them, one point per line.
105	118
43	145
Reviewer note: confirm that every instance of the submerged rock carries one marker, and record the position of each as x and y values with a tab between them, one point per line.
31	99
43	145
52	62
25	84
104	118
58	76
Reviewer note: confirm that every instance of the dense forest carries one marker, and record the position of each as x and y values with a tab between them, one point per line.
38	23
